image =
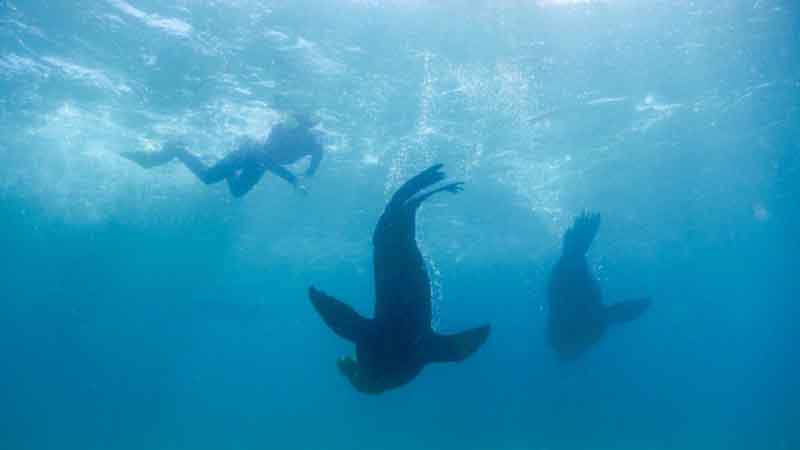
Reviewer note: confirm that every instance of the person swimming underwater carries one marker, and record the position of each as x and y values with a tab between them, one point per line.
288	142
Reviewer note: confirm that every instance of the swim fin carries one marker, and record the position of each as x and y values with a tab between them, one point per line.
149	160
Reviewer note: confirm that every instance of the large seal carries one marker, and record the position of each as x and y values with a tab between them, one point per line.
577	317
394	346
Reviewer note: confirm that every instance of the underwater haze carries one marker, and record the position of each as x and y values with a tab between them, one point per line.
141	309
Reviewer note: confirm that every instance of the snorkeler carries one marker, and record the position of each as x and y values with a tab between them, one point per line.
288	142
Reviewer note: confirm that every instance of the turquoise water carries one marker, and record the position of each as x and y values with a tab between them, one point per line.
143	310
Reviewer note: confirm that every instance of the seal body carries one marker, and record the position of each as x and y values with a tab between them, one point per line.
394	346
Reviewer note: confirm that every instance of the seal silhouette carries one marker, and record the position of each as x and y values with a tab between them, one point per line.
394	346
577	317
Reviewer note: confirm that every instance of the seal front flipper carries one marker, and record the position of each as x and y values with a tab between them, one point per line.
455	347
626	311
340	317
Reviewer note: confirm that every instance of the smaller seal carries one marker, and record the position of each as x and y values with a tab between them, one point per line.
577	317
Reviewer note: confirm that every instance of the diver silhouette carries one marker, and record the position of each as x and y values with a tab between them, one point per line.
288	142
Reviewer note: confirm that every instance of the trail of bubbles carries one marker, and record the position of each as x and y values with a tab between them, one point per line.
400	166
435	276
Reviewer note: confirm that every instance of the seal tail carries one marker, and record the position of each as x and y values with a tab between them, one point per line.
626	311
340	317
580	235
456	347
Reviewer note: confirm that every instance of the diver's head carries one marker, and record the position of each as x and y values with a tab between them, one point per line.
300	120
360	380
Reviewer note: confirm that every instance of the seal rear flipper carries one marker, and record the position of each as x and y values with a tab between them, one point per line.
422	180
416	200
626	311
580	235
341	318
455	347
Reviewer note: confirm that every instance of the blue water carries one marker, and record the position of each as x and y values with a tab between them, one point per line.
143	310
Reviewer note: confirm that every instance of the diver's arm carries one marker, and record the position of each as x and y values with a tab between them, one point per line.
280	171
316	158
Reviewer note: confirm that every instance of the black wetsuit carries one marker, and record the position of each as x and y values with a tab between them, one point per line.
244	167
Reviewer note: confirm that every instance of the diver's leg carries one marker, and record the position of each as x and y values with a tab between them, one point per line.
222	169
241	183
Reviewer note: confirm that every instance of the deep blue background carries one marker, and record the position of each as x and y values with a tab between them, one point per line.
140	309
